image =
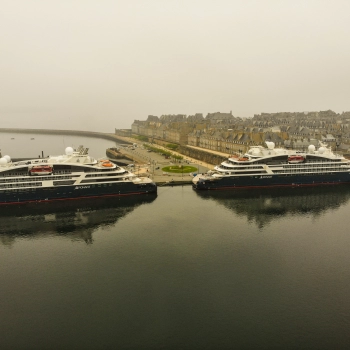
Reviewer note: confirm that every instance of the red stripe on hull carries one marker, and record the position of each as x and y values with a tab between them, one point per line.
76	198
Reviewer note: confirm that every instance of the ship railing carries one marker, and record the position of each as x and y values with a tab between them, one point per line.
311	169
20	163
314	161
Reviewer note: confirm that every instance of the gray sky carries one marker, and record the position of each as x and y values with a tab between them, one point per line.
100	64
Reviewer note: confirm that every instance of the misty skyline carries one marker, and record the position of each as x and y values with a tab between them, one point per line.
97	65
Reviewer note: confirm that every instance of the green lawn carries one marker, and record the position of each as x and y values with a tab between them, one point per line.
179	169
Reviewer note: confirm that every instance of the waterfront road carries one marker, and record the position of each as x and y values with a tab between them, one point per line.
150	164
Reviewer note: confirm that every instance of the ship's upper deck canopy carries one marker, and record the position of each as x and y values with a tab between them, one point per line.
257	152
79	155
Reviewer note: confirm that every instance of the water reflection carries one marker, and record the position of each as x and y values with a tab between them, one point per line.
76	220
261	206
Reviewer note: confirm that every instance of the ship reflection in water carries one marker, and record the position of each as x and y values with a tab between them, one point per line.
75	219
261	206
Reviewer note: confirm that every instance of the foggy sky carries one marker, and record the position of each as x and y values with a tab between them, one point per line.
100	64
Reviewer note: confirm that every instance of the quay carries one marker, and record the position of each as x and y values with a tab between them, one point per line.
170	180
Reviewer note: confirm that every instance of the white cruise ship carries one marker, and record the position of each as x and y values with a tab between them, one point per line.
270	166
70	176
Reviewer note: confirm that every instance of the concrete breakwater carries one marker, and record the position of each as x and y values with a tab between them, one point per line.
106	136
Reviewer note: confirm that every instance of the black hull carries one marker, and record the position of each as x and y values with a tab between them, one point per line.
261	181
75	192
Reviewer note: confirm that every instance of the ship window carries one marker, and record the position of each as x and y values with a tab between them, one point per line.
61	183
36	184
104	175
101	180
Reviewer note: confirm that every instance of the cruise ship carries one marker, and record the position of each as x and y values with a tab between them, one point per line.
270	166
70	176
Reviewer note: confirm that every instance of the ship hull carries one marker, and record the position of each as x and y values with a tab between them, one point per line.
75	192
257	181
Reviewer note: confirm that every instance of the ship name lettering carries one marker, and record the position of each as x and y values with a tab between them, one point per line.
80	187
266	177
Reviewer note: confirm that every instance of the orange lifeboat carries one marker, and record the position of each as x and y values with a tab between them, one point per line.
295	159
41	170
243	159
107	164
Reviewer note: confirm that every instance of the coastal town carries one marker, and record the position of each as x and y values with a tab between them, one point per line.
225	133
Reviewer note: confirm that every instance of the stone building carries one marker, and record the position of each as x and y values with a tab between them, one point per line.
225	133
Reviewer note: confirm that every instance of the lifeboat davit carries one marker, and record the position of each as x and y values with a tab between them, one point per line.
41	170
295	159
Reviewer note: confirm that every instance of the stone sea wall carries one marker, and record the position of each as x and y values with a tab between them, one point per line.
102	135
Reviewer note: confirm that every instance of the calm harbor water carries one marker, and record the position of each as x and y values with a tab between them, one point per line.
32	145
180	270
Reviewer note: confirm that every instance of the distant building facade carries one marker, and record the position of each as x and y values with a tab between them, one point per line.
225	133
